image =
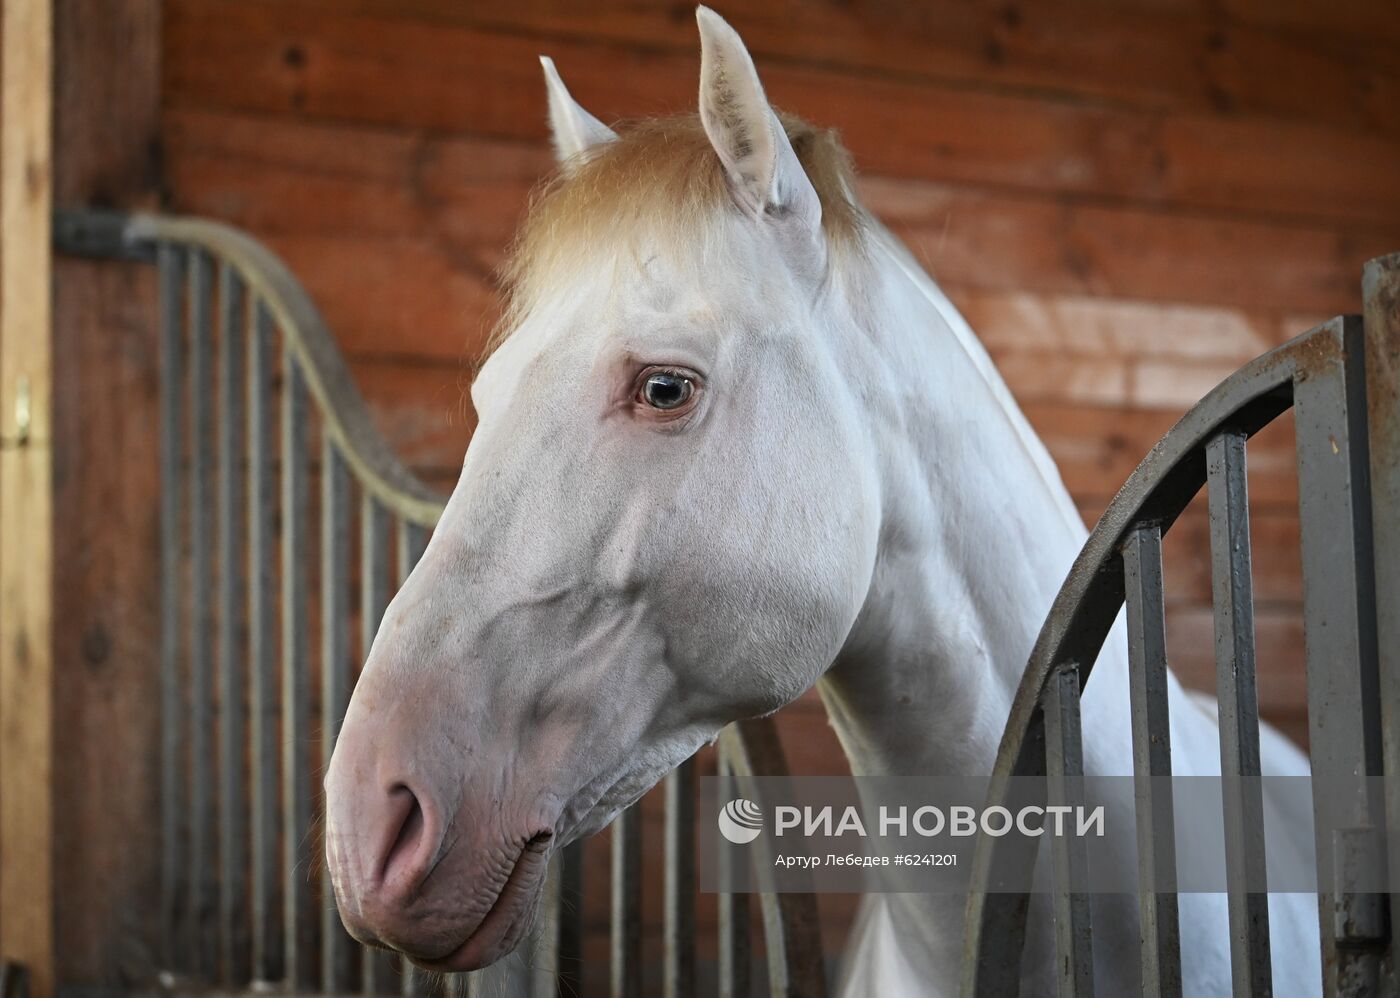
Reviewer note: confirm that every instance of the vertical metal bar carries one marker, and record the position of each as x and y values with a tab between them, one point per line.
544	942
1069	857
569	963
203	913
1339	629
262	664
735	964
233	804
412	539
299	929
415	982
1152	763
374	561
172	266
337	948
14	980
679	974
1381	294
377	970
995	922
626	923
1239	714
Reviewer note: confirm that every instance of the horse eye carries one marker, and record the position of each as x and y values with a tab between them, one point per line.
664	390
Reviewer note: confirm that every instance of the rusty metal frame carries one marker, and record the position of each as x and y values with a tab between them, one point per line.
1322	373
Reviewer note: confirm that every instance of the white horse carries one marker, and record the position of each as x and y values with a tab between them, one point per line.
734	443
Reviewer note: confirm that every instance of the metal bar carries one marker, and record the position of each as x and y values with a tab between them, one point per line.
300	916
266	894
1152	763
1339	630
1381	294
569	964
203	913
374	578
413	539
791	935
337	948
415	982
377	972
1064	770
172	811
377	969
679	971
98	234
625	963
14	980
544	941
1239	714
735	963
233	800
1081	617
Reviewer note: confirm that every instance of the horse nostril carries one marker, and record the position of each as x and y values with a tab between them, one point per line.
402	859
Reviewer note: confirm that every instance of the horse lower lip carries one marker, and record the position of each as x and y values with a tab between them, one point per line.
493	928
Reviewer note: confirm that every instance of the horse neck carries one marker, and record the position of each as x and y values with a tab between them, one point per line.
977	534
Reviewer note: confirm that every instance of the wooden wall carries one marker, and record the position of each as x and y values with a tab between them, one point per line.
1126	199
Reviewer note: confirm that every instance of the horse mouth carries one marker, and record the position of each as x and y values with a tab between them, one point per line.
508	919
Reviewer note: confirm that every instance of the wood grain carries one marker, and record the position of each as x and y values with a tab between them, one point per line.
105	503
27	802
289	61
467	194
1182	59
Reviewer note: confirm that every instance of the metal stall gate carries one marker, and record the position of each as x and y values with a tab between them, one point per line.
258	645
1348	464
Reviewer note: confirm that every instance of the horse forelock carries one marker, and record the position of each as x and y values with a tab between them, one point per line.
659	183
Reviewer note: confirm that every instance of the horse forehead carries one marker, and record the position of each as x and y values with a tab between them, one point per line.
569	336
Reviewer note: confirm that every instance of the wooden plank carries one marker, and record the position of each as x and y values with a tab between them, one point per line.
1097	448
317	179
1103	326
424	302
422	410
1001	240
1279	649
106	784
1037	375
26	495
285	61
1155	58
1362	19
276	175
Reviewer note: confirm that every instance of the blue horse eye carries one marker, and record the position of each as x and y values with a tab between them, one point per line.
667	391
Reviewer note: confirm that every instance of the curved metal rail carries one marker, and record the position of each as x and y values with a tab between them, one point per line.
1321	375
270	282
239	789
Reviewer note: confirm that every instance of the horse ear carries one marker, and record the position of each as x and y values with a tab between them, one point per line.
576	132
764	172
